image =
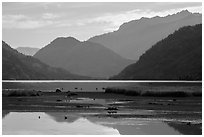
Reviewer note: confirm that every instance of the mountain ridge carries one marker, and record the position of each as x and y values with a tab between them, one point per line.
18	66
177	57
83	58
133	38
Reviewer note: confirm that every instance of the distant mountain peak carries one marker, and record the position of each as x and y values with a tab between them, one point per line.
62	41
27	50
19	66
168	59
184	12
83	58
133	38
67	38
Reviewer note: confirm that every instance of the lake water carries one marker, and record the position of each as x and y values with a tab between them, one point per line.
71	86
131	119
51	123
99	86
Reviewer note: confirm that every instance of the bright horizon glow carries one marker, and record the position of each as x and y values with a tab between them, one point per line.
37	24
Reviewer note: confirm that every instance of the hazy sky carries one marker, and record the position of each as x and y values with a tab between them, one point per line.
37	24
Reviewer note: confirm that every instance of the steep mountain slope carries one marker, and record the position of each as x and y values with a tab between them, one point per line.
83	58
179	56
133	38
18	66
27	50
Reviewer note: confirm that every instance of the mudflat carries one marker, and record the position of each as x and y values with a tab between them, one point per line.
181	113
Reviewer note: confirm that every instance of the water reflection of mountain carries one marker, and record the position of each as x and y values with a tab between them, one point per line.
109	125
60	117
145	129
31	123
126	129
123	129
123	126
136	127
185	129
74	119
4	113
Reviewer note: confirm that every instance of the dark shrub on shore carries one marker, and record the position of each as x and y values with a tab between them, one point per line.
165	94
197	94
123	91
14	93
139	92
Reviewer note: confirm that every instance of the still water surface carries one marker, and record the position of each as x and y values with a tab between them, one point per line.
51	123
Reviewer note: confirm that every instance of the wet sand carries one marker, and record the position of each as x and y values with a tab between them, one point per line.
180	113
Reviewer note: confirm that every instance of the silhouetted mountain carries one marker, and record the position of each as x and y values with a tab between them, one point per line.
18	66
27	50
133	38
83	58
179	56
